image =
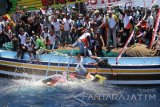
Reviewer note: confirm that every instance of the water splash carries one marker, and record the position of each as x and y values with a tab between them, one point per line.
29	83
86	85
34	93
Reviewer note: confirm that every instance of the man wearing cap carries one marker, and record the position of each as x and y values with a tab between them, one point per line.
98	20
112	22
97	43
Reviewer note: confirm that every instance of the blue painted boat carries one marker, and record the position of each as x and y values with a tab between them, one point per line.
130	70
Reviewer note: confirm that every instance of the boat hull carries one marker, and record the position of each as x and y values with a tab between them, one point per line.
124	72
129	68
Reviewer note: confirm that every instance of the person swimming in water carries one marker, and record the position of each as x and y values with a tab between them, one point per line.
81	72
56	79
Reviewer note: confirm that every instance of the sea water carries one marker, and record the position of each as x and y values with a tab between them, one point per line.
78	93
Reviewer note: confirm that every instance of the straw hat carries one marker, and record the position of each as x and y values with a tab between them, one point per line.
96	11
24	7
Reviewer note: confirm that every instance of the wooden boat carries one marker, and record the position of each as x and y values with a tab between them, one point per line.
130	70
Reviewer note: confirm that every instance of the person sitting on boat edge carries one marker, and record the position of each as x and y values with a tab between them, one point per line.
22	37
40	47
102	63
30	48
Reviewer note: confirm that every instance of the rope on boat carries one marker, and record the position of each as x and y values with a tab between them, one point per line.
69	63
155	29
49	64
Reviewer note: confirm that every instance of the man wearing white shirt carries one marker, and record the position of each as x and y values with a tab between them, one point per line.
150	22
52	40
67	28
22	42
45	34
57	27
83	42
112	22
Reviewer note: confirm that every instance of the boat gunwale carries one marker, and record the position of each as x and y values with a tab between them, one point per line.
85	64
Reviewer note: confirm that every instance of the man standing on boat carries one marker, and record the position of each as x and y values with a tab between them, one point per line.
149	31
112	22
83	43
128	22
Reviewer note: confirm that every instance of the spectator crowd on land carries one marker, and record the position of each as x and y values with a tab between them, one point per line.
38	31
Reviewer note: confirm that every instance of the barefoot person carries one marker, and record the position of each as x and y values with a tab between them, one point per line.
80	68
83	43
102	63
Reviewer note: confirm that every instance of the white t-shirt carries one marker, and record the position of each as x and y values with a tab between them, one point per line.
23	38
45	34
87	25
52	39
150	21
126	20
56	25
111	22
84	35
67	23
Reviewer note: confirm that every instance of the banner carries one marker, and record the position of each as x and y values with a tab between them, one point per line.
100	3
59	2
104	3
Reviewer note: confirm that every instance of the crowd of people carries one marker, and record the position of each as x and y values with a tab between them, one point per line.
40	31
